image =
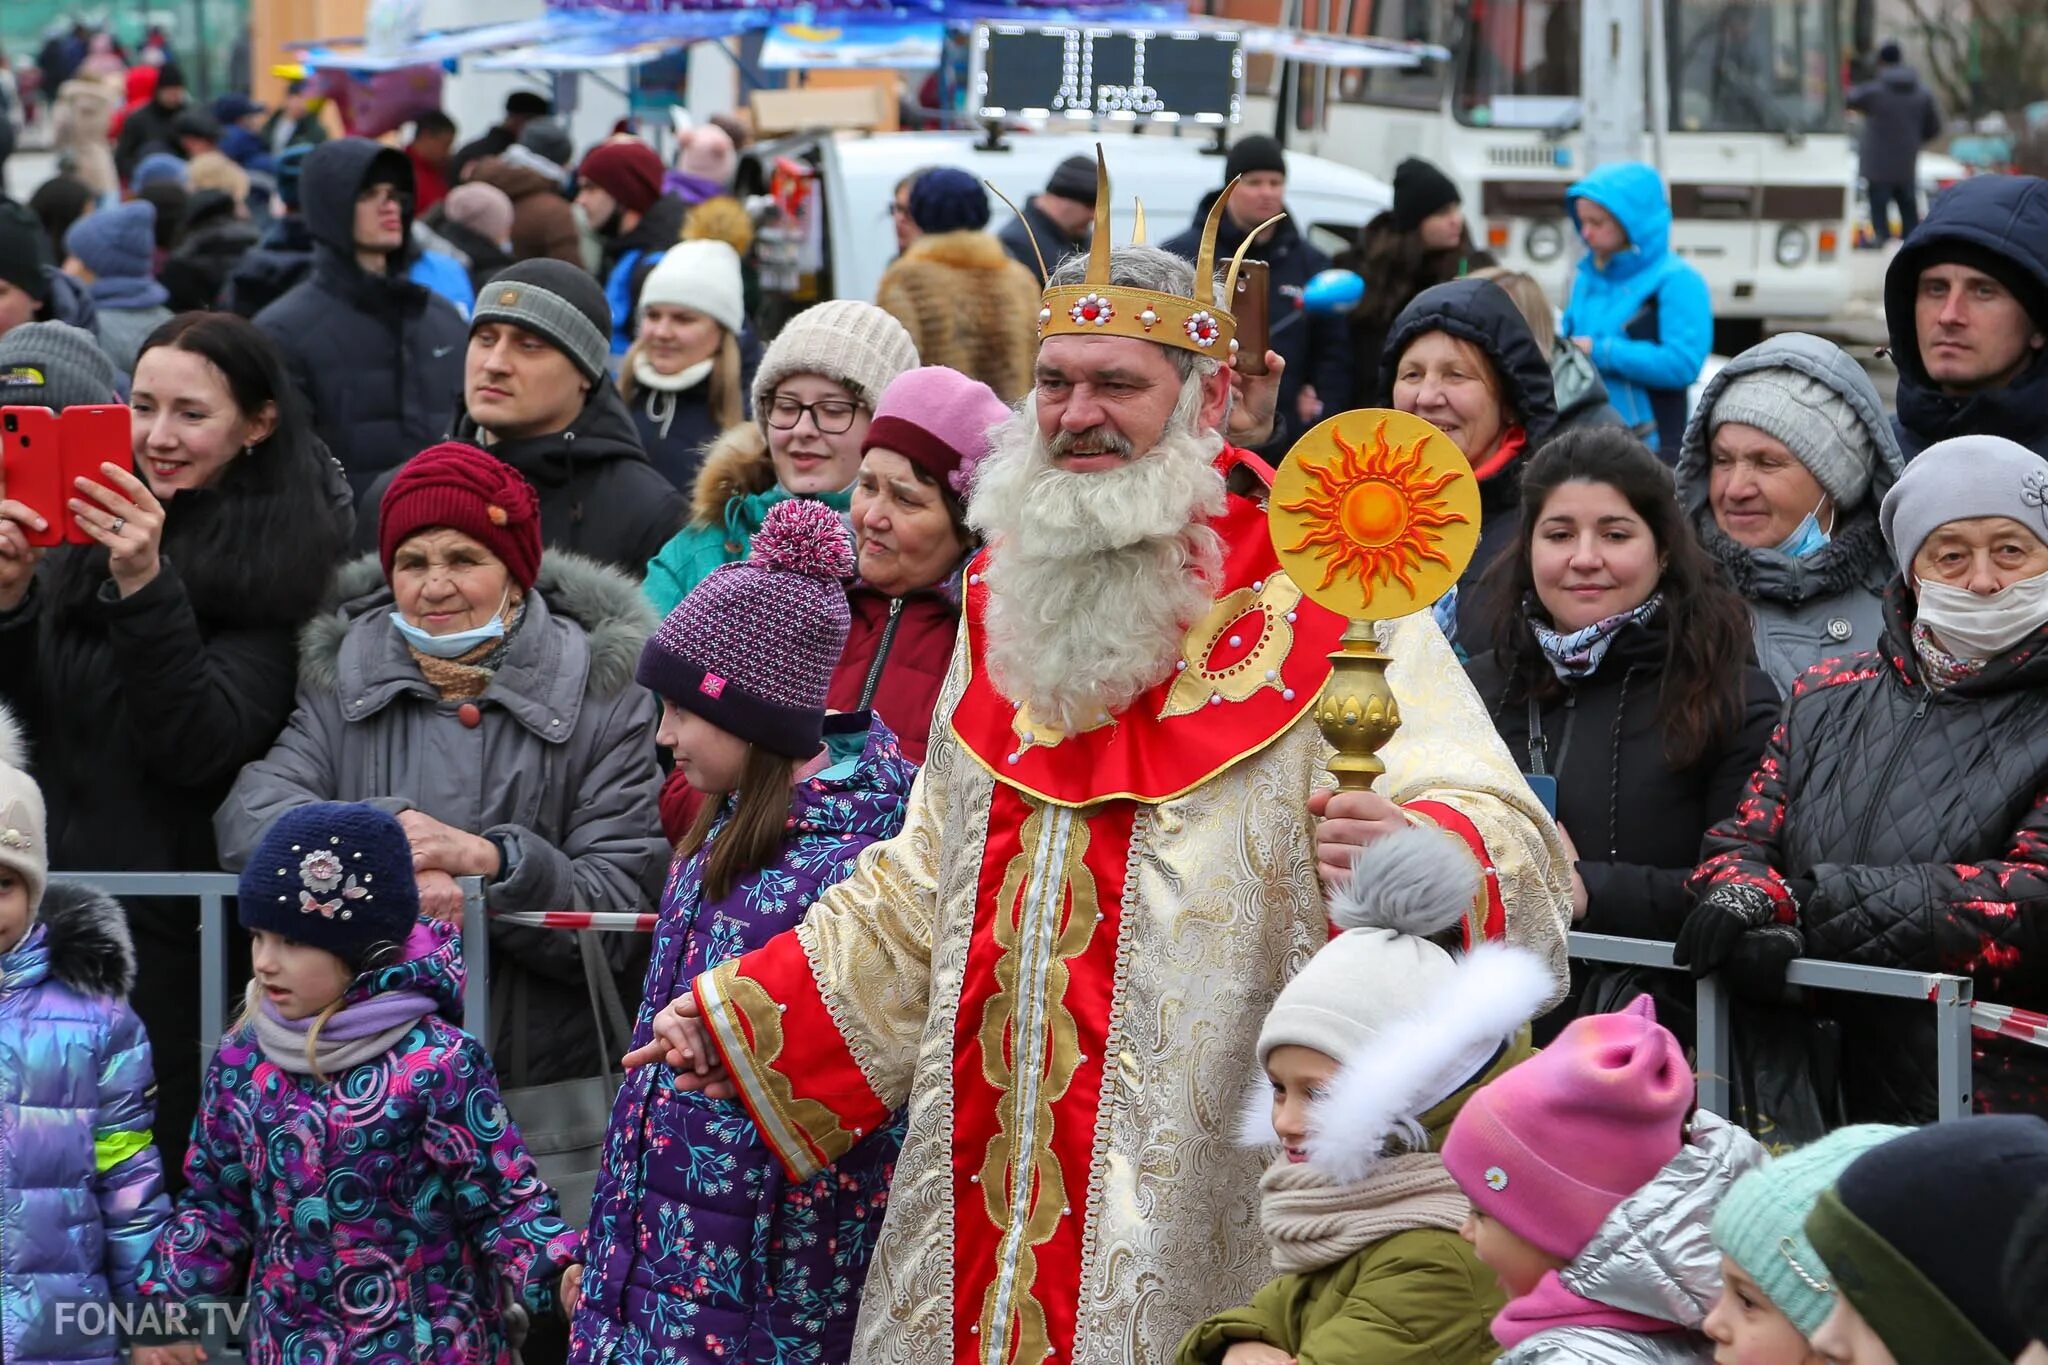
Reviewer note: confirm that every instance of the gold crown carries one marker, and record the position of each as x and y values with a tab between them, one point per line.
1095	307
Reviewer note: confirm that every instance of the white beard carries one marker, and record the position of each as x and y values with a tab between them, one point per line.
1094	578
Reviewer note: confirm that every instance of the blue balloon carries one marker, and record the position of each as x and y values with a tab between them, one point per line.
1333	291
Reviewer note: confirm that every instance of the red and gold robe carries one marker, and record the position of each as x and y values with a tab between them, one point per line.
1061	966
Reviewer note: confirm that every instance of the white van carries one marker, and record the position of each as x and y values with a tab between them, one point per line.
858	175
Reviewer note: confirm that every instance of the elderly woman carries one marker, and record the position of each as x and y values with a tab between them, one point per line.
814	395
484	694
1781	472
1899	817
1462	357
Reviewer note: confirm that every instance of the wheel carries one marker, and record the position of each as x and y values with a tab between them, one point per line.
1733	336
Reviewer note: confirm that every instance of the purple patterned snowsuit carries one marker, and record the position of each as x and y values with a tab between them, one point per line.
700	1248
374	1217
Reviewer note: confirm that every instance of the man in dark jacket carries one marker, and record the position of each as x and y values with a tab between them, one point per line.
521	108
620	194
536	394
284	256
1317	348
377	357
1966	303
295	124
153	127
1059	221
1899	118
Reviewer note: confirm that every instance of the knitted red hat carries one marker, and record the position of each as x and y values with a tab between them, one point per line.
629	172
462	488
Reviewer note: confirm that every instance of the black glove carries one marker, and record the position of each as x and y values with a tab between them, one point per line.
1756	968
1717	924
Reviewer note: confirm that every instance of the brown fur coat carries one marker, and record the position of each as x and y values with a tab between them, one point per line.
968	305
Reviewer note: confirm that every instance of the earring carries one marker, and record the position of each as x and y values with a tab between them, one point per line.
249	449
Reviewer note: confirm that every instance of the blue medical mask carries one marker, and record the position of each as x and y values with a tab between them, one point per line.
456	645
1807	537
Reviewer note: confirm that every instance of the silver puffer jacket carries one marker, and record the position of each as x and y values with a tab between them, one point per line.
1654	1256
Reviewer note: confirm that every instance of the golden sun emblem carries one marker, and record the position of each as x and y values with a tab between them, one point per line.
1378	524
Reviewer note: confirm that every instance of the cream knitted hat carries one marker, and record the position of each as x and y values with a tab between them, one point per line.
845	341
703	276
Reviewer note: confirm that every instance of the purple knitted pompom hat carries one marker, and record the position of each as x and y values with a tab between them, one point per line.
752	648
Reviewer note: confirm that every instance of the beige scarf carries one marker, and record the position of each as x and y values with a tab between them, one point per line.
1312	1222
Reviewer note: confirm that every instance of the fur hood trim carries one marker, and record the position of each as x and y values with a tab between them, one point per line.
736	465
966	249
1383	1091
13	744
86	934
607	604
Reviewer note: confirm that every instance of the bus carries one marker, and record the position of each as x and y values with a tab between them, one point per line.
1742	112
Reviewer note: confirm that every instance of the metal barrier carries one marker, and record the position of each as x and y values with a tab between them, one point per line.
1951	996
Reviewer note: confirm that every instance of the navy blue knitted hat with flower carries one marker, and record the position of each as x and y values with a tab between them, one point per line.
333	875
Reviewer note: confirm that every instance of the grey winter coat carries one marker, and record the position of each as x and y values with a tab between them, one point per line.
1831	602
561	764
1900	117
1654	1256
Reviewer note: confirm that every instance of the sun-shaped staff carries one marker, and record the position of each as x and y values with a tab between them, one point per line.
1376	512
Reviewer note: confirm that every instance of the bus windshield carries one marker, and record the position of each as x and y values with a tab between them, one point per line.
1518	64
1740	66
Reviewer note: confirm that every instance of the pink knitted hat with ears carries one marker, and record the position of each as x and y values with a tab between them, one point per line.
1550	1148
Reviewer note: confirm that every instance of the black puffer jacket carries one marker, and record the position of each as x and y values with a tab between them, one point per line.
377	357
1480	311
141	710
2006	215
599	496
1316	346
267	272
1395	268
213	244
1908	827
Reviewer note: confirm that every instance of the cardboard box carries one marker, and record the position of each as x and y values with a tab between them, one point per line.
794	111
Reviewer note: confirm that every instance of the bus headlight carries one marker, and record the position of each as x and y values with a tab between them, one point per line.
1544	243
1793	246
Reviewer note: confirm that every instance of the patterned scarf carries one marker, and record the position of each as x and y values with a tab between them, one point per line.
359	1033
1578	654
466	676
1940	669
1312	1221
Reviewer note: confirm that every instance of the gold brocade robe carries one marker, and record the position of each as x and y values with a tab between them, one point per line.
1061	966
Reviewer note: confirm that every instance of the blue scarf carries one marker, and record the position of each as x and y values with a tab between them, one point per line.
1578	654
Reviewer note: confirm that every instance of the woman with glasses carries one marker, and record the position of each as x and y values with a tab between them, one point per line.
814	394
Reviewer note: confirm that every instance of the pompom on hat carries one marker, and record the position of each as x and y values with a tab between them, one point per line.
336	875
1552	1147
1410	1023
24	824
752	648
468	490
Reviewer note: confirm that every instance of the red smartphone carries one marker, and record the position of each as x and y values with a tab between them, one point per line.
33	449
46	451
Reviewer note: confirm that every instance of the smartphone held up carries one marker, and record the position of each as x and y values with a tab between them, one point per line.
43	453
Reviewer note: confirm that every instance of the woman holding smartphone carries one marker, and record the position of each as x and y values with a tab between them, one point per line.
150	664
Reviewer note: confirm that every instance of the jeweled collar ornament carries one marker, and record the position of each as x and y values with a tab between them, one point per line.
1096	307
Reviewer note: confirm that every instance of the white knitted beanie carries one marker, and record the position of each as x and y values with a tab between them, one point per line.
845	341
703	276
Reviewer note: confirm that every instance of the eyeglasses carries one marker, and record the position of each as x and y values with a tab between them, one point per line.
897	210
831	416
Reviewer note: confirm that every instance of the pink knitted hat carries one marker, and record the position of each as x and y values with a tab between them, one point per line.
752	648
1550	1148
939	420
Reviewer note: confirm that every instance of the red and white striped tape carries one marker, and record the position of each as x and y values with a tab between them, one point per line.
2009	1021
604	921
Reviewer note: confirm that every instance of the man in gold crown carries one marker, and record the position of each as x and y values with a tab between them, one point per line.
1111	863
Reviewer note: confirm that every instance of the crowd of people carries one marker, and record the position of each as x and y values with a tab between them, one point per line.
925	667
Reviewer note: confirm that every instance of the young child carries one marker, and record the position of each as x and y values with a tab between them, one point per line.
352	1168
81	1185
699	1247
1775	1293
1591	1195
1369	1053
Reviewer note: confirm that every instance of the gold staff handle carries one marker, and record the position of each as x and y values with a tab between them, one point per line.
1356	711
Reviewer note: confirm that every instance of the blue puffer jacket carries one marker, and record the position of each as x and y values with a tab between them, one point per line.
700	1249
1648	312
81	1186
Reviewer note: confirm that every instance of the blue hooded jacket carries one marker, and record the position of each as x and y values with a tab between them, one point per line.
1648	312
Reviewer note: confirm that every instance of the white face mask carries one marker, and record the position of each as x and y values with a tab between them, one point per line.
1975	627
